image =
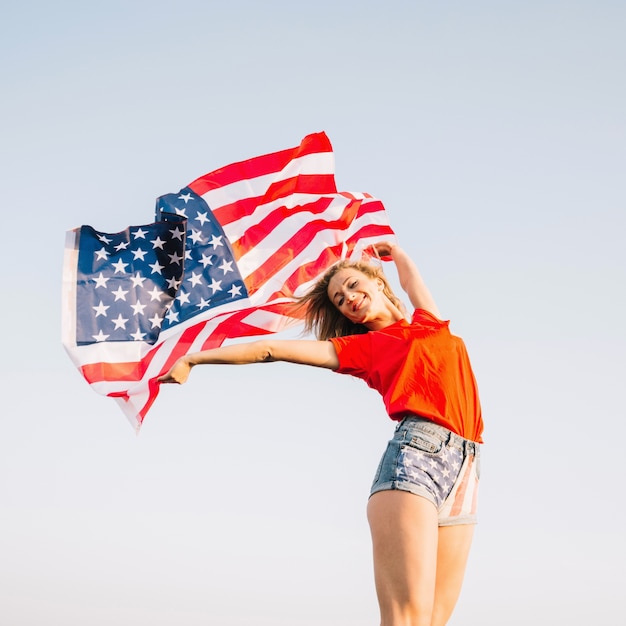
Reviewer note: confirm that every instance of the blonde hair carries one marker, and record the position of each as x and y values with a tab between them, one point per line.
321	316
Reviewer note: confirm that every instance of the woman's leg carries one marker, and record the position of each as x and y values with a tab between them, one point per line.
452	552
418	566
404	537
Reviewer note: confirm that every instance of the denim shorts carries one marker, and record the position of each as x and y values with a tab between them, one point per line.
435	463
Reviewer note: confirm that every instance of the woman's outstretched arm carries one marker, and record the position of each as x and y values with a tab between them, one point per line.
305	352
410	278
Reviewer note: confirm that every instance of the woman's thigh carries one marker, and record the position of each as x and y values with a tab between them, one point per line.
405	532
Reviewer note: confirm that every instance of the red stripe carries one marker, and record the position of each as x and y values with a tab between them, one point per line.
235	211
304	183
130	371
457	505
319	184
261	165
153	392
368	231
133	371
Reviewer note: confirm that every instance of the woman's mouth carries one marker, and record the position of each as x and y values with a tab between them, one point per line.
357	305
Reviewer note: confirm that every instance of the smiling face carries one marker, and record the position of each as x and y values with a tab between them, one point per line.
358	297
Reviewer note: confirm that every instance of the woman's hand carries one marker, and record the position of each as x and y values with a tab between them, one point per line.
409	276
179	372
383	249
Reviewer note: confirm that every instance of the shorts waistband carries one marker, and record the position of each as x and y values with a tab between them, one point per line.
447	436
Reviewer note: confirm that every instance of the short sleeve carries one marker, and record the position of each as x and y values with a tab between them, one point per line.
354	354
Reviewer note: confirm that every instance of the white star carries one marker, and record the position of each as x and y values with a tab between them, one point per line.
156	267
119	294
175	258
177	234
100	336
137	280
172	283
138	308
202	218
101	309
203	303
196	279
138	336
172	316
157	243
195	236
120	322
155	294
102	254
139	254
216	241
206	260
156	321
122	245
104	239
183	297
120	266
227	266
180	211
235	290
216	285
186	197
140	234
187	254
100	281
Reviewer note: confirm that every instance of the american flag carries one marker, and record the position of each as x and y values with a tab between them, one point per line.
225	258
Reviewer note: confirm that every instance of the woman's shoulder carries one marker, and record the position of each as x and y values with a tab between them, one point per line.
422	317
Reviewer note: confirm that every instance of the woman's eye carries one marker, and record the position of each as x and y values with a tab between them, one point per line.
354	284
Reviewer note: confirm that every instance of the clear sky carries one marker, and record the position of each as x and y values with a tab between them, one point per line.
495	134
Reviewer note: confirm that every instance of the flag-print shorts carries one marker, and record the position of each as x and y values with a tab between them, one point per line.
435	463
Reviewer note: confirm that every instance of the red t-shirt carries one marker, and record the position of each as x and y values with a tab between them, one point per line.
419	369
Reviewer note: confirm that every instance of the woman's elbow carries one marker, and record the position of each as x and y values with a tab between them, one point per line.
264	352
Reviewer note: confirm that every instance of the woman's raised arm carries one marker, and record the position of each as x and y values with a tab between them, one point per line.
410	278
304	352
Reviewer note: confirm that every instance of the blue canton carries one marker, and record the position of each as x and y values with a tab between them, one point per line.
134	284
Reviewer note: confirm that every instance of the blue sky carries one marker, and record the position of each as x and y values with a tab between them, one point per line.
494	133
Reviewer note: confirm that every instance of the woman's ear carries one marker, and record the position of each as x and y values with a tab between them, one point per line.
381	285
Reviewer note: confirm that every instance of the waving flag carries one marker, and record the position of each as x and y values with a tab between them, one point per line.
225	258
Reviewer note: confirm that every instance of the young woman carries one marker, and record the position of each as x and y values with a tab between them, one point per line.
422	507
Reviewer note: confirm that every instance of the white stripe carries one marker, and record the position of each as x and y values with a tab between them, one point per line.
235	230
286	229
318	163
267	320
